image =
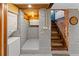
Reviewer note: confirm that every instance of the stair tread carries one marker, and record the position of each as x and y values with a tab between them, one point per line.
60	43
59	48
54	29
57	44
55	37
56	40
53	32
53	26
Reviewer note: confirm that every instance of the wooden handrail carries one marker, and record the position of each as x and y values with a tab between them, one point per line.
63	36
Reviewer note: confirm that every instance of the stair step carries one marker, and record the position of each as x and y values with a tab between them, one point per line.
55	37
59	48
57	44
54	29
60	53
59	41
54	26
54	32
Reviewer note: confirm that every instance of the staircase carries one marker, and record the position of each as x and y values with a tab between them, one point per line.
57	40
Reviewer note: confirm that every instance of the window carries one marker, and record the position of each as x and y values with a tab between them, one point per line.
57	14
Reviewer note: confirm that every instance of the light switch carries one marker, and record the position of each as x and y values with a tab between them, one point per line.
45	27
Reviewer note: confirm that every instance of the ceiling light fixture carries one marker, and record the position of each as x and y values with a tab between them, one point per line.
29	6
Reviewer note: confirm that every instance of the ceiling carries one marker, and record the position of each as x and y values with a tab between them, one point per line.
65	6
33	12
34	6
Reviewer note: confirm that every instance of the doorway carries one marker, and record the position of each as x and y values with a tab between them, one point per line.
58	31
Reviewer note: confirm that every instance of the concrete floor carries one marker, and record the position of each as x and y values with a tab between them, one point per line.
31	44
36	55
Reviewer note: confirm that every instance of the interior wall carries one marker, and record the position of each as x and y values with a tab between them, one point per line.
33	32
44	31
23	28
73	34
65	6
34	22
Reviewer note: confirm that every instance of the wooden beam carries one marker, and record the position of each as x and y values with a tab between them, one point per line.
50	5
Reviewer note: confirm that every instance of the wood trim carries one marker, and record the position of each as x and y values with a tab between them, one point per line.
5	29
5	10
50	5
34	6
62	37
66	12
0	29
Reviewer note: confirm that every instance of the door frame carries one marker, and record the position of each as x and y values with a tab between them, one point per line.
5	28
0	29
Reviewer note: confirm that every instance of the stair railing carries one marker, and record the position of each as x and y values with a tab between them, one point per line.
62	34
